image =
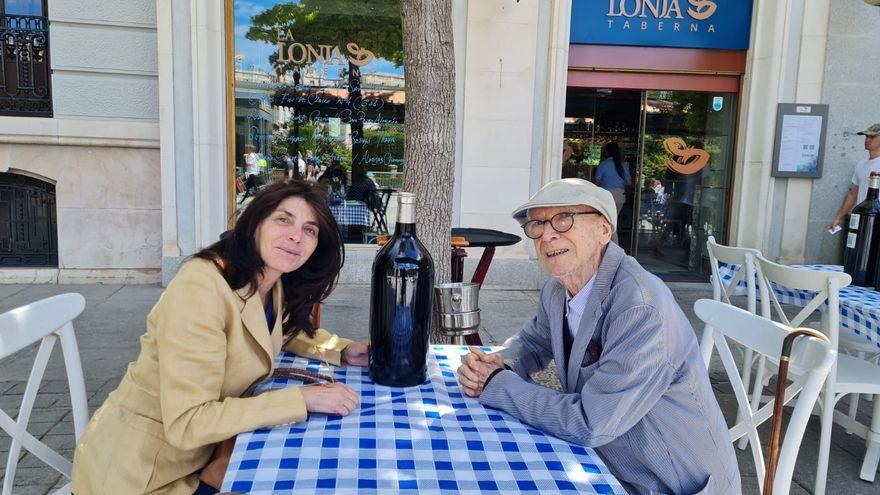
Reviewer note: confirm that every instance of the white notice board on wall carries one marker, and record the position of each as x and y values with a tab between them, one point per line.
799	146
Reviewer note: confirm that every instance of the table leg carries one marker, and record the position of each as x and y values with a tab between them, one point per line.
458	256
483	265
872	455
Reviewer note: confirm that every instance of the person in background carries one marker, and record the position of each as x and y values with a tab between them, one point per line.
334	173
311	159
613	175
251	171
634	385
858	188
291	169
211	338
362	187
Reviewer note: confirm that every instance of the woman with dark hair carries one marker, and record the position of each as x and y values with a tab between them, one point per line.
362	187
211	338
612	174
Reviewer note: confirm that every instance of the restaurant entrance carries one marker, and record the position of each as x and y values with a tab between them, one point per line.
677	149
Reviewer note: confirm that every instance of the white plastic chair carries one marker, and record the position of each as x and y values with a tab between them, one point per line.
812	359
849	374
45	321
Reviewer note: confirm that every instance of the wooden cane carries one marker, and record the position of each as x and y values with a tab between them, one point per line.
776	420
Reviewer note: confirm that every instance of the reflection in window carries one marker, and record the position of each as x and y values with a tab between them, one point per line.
320	96
22	7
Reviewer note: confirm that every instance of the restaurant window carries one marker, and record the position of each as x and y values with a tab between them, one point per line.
319	95
24	52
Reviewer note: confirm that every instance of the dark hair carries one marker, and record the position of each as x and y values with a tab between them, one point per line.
612	149
238	258
358	174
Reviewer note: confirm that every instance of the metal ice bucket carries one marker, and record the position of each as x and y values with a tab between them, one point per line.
457	308
457	297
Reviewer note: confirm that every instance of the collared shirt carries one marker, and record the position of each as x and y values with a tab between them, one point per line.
575	306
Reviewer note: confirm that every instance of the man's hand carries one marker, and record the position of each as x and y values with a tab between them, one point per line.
475	370
357	354
330	398
834	223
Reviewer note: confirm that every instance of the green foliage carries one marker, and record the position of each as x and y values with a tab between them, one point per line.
385	142
372	24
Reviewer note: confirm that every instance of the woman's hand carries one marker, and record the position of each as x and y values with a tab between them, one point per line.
356	353
213	473
331	398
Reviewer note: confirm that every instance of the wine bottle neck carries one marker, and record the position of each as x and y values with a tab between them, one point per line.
872	193
404	228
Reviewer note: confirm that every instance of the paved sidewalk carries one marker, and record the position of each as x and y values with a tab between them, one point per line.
115	317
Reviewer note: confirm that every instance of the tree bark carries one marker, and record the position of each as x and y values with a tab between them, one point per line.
429	150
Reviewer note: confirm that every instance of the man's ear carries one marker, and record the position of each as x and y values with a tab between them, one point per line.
606	231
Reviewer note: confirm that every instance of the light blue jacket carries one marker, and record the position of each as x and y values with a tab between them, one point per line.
646	405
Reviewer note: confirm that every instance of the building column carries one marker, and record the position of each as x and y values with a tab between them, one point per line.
784	65
192	63
554	95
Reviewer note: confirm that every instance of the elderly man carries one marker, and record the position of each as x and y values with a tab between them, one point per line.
633	384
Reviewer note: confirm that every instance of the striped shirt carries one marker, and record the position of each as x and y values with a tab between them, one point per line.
577	305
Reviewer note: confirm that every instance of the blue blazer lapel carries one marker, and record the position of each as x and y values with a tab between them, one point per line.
593	312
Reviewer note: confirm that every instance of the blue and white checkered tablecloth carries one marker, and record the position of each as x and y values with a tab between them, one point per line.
859	306
425	439
351	213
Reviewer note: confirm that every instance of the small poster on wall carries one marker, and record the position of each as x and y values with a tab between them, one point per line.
800	140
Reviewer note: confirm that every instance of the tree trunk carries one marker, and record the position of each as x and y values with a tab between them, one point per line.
429	150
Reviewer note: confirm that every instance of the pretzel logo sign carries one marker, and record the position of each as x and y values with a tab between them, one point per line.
685	159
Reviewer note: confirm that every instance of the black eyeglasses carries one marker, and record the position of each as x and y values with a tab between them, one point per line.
561	222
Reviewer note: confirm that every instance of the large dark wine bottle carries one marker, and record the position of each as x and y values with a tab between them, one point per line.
860	256
400	304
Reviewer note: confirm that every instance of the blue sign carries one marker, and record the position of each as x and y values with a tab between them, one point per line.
721	24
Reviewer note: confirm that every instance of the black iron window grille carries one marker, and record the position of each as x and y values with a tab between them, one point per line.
28	225
24	66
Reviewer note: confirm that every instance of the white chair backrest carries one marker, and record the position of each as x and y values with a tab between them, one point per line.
722	291
810	362
44	321
825	284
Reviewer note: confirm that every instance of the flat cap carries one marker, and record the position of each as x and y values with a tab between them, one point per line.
569	192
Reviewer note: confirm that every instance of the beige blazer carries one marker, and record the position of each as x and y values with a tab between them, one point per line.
205	347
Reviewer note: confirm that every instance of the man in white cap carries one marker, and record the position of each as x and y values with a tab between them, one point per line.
634	386
858	190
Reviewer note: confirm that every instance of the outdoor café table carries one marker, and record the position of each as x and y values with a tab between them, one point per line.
859	306
429	438
351	212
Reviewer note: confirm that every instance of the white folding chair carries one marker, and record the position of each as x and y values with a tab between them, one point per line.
723	291
812	359
849	374
45	321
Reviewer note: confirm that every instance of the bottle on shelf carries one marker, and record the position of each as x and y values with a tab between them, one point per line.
860	254
400	304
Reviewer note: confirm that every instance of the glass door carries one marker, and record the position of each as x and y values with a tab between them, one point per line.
594	119
686	159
